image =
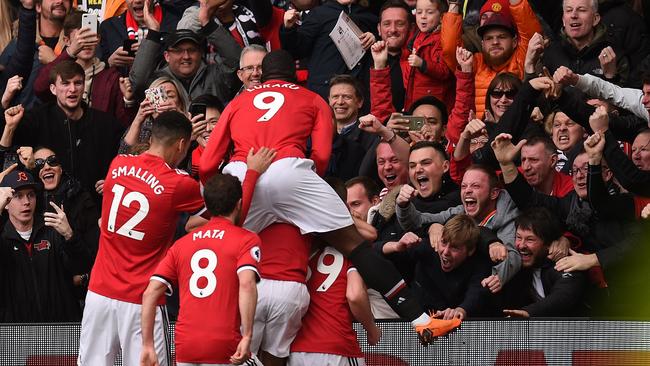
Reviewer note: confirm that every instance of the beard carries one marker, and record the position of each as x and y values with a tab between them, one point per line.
497	60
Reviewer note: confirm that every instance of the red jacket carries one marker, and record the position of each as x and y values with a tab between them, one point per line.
106	95
436	79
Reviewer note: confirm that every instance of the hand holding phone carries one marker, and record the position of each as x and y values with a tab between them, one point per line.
198	108
156	96
89	21
127	46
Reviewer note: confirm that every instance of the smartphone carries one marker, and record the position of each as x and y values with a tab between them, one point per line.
197	108
127	46
156	96
89	21
415	123
11	158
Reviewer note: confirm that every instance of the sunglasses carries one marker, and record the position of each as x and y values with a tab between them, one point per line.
51	160
510	94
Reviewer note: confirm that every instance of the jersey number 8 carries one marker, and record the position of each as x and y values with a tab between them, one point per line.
206	272
271	107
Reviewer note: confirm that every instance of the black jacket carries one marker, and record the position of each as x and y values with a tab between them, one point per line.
439	290
82	213
311	39
85	147
348	152
562	52
37	286
563	292
604	237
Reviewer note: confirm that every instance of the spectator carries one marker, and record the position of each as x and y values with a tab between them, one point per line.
51	14
506	27
140	130
363	193
37	255
250	66
311	39
350	144
567	136
213	109
104	90
584	45
395	26
448	278
539	289
538	160
84	139
81	210
601	241
483	201
131	25
427	73
183	50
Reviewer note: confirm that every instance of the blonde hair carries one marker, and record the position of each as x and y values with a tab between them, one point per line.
6	24
183	98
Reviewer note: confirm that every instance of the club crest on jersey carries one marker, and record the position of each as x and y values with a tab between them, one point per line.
256	253
43	245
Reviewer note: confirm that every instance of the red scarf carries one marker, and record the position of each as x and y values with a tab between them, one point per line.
132	27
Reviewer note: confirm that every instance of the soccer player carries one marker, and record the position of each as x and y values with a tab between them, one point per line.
282	116
215	269
338	296
143	196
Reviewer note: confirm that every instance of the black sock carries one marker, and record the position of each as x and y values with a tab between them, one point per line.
381	275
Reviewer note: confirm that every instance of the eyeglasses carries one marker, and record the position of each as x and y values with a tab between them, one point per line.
582	170
180	51
498	94
51	160
251	68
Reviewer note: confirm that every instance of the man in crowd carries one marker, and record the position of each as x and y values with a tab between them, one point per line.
395	26
505	29
584	44
214	319
37	257
131	25
183	53
538	160
250	65
143	196
539	289
84	139
350	143
51	14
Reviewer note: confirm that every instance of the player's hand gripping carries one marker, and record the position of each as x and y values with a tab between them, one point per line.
148	356
261	160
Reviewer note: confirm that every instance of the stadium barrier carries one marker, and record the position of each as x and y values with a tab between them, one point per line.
506	342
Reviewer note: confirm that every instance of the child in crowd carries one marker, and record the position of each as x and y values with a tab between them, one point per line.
426	70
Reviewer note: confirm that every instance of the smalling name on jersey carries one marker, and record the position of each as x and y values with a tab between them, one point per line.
276	85
141	174
208	234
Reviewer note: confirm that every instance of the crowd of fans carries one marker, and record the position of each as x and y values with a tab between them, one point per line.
522	194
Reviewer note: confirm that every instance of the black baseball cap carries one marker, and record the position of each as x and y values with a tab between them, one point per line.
18	179
181	35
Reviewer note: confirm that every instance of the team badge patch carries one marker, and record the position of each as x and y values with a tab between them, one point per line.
43	245
256	254
496	7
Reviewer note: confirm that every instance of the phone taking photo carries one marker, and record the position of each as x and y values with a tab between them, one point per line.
127	46
89	21
198	108
415	122
156	96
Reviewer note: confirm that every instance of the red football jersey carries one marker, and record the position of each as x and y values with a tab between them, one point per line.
204	264
142	199
327	327
286	253
276	114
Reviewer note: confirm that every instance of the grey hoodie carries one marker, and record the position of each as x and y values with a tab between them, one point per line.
503	223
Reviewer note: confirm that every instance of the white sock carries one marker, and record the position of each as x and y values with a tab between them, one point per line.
422	320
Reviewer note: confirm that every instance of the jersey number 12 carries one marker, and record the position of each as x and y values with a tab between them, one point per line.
119	199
